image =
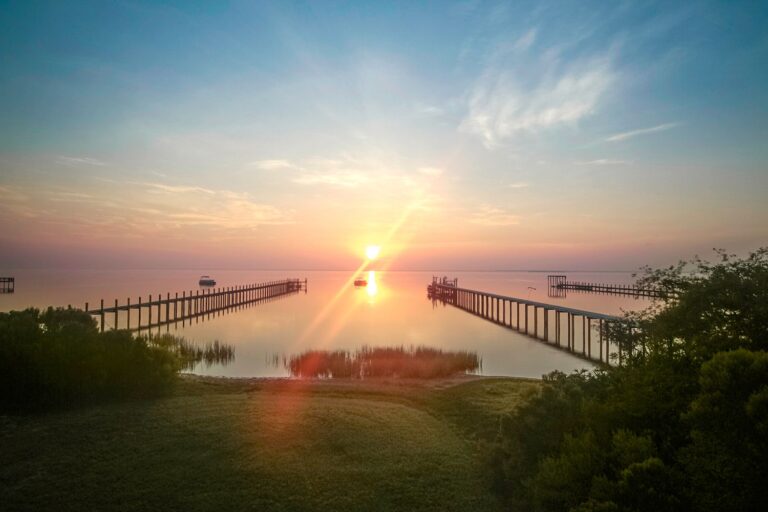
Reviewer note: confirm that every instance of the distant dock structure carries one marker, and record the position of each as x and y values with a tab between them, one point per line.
559	285
7	284
187	306
584	334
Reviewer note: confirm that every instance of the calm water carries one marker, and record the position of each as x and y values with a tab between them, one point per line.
392	311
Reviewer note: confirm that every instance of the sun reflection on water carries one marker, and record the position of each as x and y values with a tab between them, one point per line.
372	287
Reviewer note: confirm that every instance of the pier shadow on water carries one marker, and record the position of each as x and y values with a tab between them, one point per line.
419	363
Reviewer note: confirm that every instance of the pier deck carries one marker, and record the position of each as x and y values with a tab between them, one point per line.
558	285
581	333
182	306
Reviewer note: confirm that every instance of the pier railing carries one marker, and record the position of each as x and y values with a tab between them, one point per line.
157	310
584	334
7	284
558	284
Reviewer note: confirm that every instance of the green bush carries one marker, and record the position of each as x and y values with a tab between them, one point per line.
728	420
57	357
682	425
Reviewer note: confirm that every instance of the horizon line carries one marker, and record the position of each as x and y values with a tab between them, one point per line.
209	269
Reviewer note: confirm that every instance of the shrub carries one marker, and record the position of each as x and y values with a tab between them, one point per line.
57	357
681	425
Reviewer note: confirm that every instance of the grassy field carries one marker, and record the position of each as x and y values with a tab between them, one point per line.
263	445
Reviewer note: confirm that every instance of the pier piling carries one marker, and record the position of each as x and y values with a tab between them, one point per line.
7	284
577	331
193	304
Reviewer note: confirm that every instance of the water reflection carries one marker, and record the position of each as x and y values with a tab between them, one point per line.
418	363
373	287
192	354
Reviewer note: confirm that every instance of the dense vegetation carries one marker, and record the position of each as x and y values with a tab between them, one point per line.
682	425
418	362
58	357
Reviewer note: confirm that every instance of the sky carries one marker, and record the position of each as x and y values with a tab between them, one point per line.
455	135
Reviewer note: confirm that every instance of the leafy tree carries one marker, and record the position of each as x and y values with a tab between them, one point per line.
726	459
720	306
648	485
681	424
563	481
538	430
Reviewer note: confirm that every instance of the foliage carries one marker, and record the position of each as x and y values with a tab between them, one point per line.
681	424
57	357
720	306
729	423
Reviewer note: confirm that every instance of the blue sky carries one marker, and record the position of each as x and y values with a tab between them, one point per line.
474	134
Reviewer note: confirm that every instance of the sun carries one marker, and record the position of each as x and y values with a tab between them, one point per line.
372	252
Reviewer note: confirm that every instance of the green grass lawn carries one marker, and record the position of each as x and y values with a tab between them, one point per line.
221	444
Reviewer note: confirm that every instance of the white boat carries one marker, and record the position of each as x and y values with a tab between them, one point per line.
207	281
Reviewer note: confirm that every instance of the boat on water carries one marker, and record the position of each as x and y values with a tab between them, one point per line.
361	282
207	281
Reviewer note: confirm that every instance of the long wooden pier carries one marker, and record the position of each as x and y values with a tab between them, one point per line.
7	284
182	306
558	284
581	333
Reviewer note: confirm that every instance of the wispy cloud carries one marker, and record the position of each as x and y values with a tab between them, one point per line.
604	161
177	189
634	133
340	178
346	171
491	216
72	197
141	208
519	184
272	165
525	41
235	214
505	101
430	171
73	161
8	193
226	209
190	206
428	110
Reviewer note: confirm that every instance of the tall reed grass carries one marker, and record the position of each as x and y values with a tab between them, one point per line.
418	362
191	354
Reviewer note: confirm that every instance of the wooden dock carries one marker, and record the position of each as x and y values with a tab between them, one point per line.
559	284
7	284
581	333
182	306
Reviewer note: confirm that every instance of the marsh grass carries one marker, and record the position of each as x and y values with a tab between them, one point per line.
190	354
418	362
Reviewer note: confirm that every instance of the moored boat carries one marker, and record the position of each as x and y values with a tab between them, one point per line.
207	281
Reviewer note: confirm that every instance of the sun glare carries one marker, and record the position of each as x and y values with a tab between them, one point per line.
372	252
